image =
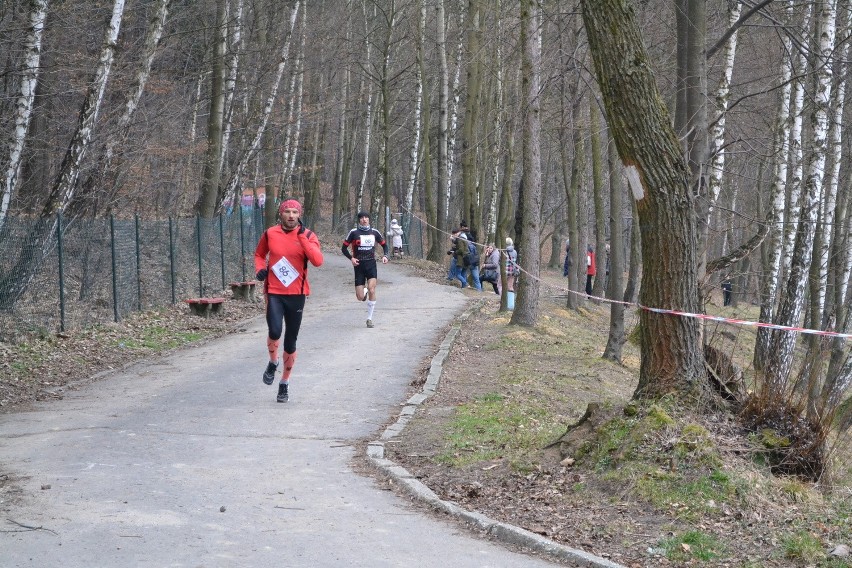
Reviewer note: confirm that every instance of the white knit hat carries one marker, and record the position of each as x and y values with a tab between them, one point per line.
508	242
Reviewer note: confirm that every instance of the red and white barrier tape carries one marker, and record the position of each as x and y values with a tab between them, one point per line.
720	319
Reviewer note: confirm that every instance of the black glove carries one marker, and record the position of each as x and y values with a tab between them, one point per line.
301	227
261	274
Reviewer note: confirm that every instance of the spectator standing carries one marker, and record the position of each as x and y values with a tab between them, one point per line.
727	289
395	234
281	261
566	267
491	268
591	269
467	260
453	270
512	268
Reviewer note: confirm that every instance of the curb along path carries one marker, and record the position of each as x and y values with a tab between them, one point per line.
503	532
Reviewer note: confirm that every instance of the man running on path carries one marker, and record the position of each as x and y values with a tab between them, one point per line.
363	240
281	261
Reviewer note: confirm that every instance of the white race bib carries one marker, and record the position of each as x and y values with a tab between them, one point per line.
367	242
285	271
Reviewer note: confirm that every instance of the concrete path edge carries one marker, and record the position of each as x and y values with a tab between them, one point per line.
503	532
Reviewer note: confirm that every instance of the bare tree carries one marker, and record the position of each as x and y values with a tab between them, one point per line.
672	361
24	106
527	303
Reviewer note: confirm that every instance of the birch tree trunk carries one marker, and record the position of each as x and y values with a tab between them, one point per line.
233	32
40	240
672	360
441	202
453	129
527	302
776	216
24	105
716	168
152	43
794	185
792	299
368	121
414	156
234	186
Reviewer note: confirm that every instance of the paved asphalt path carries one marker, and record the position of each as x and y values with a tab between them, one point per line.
189	461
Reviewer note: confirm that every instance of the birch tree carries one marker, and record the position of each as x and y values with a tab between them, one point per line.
62	191
776	214
792	299
235	182
24	105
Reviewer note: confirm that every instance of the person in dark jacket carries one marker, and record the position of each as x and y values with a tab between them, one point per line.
566	267
467	260
727	290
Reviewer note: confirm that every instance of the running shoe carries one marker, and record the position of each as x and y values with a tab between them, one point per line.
283	395
269	373
369	323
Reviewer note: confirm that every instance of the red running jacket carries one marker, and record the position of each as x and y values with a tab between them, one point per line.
298	248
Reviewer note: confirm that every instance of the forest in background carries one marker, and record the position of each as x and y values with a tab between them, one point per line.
163	108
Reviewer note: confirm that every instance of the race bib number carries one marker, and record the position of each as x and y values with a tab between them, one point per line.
285	271
367	242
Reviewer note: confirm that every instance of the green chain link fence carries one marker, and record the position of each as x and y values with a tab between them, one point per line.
98	270
93	271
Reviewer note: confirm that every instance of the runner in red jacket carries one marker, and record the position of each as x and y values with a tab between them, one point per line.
281	261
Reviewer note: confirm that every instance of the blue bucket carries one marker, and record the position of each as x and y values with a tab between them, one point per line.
510	300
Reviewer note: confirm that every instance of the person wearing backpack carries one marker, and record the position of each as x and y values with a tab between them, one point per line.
467	259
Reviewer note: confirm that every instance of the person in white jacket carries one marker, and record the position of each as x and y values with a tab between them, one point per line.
395	234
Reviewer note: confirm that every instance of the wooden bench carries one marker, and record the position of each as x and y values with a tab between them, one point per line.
244	290
206	306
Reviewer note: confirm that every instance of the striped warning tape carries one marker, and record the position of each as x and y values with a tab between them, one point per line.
721	319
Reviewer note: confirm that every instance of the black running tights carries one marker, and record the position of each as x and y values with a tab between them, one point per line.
286	310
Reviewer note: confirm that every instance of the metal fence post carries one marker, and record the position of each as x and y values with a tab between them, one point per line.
200	272
242	244
138	268
172	260
61	272
114	277
222	248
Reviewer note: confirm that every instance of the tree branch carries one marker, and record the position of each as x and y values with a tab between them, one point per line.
737	25
740	253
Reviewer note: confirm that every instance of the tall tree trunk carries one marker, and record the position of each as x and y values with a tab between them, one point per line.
443	183
206	206
792	299
471	112
527	302
672	360
597	196
615	290
152	43
776	215
40	240
235	183
24	106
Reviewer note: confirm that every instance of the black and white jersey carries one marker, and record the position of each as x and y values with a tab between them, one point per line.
363	243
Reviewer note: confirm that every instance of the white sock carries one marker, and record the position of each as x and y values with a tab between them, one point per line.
371	304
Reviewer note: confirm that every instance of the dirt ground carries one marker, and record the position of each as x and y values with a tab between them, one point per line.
572	504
